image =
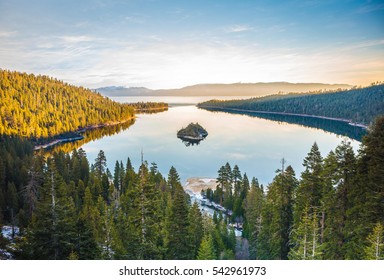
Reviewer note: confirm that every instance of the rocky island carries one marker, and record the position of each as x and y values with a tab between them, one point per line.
192	134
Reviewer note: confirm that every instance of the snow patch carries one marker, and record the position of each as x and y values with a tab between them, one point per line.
207	180
7	232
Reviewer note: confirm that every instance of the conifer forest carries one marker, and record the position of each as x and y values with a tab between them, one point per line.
61	205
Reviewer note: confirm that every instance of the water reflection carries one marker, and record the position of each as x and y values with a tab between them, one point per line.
190	142
88	135
336	127
256	145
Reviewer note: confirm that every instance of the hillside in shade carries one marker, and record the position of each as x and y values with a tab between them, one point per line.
357	105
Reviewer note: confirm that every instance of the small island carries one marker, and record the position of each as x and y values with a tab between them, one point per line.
192	134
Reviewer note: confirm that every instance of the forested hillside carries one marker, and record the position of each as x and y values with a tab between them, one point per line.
359	105
40	106
67	208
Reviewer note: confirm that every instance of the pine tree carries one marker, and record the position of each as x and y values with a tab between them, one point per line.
195	229
52	232
206	251
85	245
310	199
277	215
375	247
367	194
305	237
253	213
100	164
336	235
309	191
12	204
173	179
179	246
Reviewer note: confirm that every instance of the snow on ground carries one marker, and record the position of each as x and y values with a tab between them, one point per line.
7	232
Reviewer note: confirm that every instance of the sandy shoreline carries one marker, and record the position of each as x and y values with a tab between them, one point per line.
197	184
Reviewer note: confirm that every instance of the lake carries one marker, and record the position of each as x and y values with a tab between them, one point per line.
254	143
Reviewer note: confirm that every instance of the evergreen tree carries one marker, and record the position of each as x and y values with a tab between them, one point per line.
335	246
195	229
52	232
253	212
278	217
367	195
173	179
375	247
100	164
85	245
309	191
206	251
179	246
305	237
12	205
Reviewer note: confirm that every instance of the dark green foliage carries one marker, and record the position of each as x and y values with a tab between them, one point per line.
193	130
179	245
195	229
67	210
253	212
359	105
206	250
366	196
277	216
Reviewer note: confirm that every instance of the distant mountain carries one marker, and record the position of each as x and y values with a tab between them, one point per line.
238	89
123	91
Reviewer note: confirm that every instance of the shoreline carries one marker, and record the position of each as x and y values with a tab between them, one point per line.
287	114
56	141
151	109
79	137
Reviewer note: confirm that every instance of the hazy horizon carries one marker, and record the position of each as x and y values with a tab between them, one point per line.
170	45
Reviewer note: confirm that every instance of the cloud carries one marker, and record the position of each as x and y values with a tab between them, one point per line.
369	8
238	28
6	34
364	44
76	39
164	63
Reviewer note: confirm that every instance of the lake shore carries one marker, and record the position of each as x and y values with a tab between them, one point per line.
77	134
286	114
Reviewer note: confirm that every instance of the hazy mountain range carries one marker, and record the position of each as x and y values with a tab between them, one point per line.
238	89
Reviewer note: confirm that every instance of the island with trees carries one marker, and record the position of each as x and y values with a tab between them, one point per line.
192	134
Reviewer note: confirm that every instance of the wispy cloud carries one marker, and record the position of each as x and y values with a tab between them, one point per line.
4	34
76	39
362	45
137	19
369	8
238	28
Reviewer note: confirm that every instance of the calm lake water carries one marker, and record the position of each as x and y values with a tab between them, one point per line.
255	144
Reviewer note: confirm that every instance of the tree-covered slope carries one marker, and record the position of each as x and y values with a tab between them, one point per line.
360	105
40	106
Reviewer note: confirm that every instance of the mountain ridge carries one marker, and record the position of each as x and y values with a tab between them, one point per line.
234	89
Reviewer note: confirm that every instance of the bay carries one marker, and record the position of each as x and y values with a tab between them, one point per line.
255	144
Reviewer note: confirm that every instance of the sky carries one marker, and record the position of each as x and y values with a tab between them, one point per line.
172	44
